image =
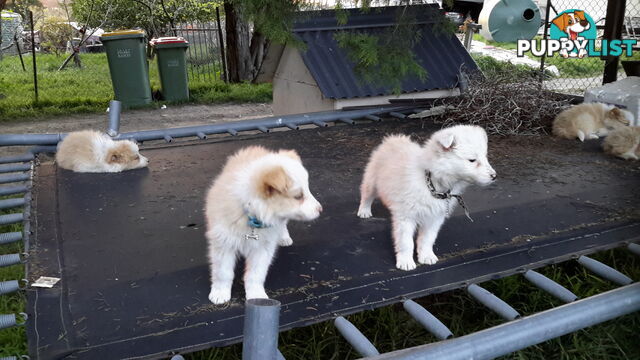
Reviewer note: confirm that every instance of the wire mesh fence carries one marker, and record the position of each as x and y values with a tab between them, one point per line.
574	74
205	52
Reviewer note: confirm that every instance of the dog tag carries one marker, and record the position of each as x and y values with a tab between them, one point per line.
252	236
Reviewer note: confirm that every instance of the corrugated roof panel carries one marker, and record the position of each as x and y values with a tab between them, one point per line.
441	55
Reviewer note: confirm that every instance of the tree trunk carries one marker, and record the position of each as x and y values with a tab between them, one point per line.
239	59
258	48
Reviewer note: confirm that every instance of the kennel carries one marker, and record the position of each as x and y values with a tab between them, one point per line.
320	75
129	248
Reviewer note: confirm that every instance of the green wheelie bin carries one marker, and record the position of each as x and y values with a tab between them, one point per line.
172	66
126	54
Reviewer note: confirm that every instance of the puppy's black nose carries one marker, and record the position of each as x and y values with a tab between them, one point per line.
584	22
494	176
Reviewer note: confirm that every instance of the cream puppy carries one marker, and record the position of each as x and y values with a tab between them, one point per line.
247	210
420	185
91	151
623	143
590	121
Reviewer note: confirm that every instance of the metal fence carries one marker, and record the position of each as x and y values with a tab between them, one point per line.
205	55
575	75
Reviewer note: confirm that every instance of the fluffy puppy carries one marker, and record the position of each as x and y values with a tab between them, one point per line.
247	210
623	143
91	151
590	121
400	172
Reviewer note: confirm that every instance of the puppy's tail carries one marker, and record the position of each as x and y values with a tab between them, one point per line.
560	130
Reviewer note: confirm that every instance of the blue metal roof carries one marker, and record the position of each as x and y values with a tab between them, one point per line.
441	55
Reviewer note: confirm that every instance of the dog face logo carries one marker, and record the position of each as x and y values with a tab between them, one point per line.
572	34
572	23
573	27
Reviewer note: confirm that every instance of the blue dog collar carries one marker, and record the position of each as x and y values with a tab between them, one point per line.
255	223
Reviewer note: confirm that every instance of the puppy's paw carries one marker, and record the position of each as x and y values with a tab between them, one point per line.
220	295
285	241
364	213
405	263
428	258
256	294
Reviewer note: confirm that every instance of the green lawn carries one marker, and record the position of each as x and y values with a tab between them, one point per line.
88	90
12	341
391	328
572	68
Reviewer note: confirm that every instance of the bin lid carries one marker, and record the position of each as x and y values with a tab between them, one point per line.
169	41
122	34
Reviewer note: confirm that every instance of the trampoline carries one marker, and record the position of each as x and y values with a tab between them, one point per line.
130	247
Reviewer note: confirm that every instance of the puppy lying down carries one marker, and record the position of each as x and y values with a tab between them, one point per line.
590	121
623	143
91	151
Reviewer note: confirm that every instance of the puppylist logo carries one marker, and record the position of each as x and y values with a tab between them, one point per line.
573	35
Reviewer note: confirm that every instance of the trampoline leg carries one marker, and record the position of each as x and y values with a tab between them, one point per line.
261	322
114	118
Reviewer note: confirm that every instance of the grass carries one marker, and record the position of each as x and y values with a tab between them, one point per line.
391	328
88	90
12	340
572	68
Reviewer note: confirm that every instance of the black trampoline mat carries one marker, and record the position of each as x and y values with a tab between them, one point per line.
131	252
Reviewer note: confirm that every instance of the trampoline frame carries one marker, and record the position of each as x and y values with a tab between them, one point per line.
262	317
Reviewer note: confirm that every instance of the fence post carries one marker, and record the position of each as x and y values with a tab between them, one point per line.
33	54
221	42
544	38
613	30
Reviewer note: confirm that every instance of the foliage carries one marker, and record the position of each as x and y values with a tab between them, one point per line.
22	6
88	90
54	34
155	17
493	68
272	18
385	58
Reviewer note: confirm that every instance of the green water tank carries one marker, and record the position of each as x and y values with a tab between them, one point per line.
509	20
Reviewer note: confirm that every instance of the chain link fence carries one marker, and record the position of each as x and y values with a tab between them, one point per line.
575	75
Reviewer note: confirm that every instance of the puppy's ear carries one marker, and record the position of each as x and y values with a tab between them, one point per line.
561	22
446	141
274	181
580	15
114	157
617	115
290	153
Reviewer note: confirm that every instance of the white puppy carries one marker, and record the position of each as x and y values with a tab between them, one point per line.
247	210
401	173
94	152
